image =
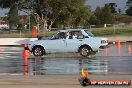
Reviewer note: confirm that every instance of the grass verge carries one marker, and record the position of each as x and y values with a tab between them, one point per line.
96	32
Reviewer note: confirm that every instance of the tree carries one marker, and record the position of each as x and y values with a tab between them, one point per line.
119	11
129	3
13	18
104	14
129	11
7	3
93	20
129	6
98	13
71	13
112	7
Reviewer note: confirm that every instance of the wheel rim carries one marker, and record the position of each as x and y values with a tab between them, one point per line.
84	51
38	51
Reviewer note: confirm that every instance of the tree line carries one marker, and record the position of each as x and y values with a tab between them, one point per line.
61	13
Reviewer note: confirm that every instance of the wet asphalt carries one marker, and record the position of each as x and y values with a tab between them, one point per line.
109	60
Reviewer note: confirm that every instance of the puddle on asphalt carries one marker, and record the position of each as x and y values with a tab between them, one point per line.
111	59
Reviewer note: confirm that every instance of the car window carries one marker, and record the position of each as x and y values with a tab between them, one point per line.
60	35
74	35
78	33
89	33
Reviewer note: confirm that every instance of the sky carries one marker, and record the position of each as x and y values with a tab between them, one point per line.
93	3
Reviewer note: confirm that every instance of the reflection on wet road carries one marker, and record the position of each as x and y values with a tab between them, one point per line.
111	59
11	61
66	65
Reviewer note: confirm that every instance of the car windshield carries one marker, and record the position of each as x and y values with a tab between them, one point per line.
89	33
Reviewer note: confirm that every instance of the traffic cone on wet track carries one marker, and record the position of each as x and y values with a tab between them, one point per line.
118	43
129	49
26	52
26	55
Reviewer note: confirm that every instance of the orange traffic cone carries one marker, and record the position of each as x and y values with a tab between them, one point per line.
118	43
129	49
26	55
26	52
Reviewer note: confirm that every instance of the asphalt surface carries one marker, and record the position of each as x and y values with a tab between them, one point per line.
110	60
63	70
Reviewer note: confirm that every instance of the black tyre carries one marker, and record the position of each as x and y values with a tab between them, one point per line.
38	51
85	51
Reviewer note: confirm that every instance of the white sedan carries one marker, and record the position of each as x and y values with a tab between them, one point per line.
69	40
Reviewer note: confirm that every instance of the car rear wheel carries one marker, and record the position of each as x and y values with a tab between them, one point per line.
38	51
85	51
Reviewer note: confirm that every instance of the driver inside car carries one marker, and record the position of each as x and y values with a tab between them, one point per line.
69	36
74	36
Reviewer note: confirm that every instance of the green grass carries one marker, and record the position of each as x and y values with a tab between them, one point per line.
15	35
107	32
96	32
24	34
47	33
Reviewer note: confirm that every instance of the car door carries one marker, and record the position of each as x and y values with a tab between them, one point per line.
57	44
74	43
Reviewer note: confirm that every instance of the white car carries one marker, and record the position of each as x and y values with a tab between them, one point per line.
69	40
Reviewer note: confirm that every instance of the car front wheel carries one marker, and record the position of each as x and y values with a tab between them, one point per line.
38	51
85	51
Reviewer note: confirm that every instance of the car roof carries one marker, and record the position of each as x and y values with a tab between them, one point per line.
67	30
